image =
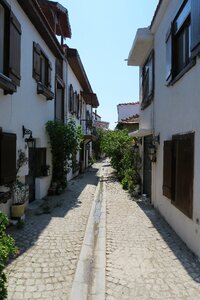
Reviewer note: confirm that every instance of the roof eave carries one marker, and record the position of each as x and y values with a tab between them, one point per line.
76	65
38	19
142	46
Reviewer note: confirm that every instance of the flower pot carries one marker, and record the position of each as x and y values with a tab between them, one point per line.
17	210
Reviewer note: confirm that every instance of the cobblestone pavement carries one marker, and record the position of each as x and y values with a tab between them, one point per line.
50	243
145	258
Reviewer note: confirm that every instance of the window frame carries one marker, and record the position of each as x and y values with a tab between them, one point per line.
147	94
44	86
172	74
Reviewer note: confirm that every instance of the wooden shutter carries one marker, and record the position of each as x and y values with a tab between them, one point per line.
15	49
74	103
36	61
195	25
49	74
168	42
71	96
167	169
184	172
7	157
78	107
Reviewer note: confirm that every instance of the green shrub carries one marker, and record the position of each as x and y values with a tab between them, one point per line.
7	249
65	142
118	145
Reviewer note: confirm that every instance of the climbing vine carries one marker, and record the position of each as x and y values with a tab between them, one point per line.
65	142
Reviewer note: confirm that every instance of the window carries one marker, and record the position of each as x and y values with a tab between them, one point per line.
10	54
42	69
178	171
183	40
147	81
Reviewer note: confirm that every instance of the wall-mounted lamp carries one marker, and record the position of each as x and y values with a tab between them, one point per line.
30	140
152	153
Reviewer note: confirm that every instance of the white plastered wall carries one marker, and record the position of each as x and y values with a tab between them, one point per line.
176	110
26	107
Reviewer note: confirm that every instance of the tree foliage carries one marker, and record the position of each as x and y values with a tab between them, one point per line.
118	145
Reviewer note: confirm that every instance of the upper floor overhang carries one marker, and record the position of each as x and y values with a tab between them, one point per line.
39	21
91	99
76	65
141	48
57	16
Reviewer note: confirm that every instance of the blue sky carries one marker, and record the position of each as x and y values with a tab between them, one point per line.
103	33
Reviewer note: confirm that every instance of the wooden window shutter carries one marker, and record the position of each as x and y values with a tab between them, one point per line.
7	157
78	107
15	50
49	74
167	169
184	173
195	24
75	103
168	42
36	61
71	96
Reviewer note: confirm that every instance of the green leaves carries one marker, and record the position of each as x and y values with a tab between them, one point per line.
7	249
65	141
118	145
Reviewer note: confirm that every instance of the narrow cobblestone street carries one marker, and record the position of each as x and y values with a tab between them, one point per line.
144	258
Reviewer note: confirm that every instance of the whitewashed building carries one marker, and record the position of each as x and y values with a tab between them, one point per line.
30	94
168	56
128	116
80	103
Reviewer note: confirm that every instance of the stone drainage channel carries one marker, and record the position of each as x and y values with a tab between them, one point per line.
89	280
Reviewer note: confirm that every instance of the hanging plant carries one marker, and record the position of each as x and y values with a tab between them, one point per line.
65	140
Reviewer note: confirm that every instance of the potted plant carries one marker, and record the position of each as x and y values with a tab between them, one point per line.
19	190
20	194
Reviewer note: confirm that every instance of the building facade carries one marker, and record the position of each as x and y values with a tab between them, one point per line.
167	53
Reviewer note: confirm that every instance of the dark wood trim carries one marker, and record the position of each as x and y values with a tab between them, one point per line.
38	19
7	85
43	90
185	70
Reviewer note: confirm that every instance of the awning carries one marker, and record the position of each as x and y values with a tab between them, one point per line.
141	132
91	99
